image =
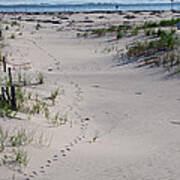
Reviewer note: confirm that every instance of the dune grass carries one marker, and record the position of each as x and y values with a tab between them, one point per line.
162	23
11	147
166	42
163	51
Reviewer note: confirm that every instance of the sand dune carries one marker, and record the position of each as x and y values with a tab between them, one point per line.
123	121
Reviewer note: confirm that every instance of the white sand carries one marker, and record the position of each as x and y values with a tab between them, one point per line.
133	112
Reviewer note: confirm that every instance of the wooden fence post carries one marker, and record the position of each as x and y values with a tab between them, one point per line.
8	97
7	94
13	97
4	63
3	94
10	76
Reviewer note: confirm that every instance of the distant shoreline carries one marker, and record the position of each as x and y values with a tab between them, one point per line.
91	7
86	4
85	12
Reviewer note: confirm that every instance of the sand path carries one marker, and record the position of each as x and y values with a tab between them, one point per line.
131	113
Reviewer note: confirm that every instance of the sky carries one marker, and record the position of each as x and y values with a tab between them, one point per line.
9	2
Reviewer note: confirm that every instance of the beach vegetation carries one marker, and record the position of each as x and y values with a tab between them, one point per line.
59	120
21	138
85	34
166	42
6	110
163	50
125	27
94	139
99	32
54	95
16	157
119	35
135	32
13	142
78	34
12	36
20	98
24	101
150	24
5	22
21	157
46	113
108	49
118	30
35	108
7	28
14	23
112	29
162	23
24	79
38	26
40	78
147	32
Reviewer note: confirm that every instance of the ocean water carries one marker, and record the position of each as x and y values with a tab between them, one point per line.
86	5
54	2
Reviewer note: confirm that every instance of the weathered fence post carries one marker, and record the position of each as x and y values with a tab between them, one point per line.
3	94
7	94
4	63
13	97
10	75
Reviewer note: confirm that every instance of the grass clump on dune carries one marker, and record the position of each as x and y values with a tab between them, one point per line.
130	30
11	147
166	42
119	35
162	23
13	36
38	26
112	29
103	31
99	32
161	51
135	32
14	23
13	143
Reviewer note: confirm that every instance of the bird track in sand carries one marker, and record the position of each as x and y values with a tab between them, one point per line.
67	148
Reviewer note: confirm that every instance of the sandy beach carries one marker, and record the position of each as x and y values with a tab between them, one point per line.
115	121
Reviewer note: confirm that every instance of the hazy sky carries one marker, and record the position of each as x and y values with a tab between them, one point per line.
78	1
